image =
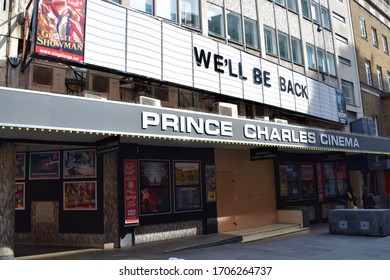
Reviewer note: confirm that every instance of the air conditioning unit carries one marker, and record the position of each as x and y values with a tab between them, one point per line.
104	84
226	109
94	95
282	121
45	77
148	101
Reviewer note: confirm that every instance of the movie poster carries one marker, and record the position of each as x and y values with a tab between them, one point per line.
61	28
131	195
45	165
80	163
19	196
80	195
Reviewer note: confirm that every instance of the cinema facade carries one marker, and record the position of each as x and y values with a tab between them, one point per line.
105	172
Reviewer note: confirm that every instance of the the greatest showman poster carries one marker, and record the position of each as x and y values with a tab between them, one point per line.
60	29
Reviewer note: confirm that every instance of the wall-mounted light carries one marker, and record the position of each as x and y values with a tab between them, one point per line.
319	28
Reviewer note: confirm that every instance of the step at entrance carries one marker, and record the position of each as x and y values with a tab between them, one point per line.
257	233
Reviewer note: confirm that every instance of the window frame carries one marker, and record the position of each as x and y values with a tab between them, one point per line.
254	34
195	16
221	18
385	44
306	9
331	64
380	77
296	42
285	46
374	36
233	15
272	31
363	29
367	65
349	98
158	4
313	57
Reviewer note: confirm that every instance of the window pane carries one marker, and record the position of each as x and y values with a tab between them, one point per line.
374	37
388	80
325	17
380	79
284	46
292	5
215	19
166	9
321	60
296	50
251	34
347	88
270	40
362	24
315	12
234	26
305	8
311	57
281	2
142	5
190	13
385	45
368	72
331	64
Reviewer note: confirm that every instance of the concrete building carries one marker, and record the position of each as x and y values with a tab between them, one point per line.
146	120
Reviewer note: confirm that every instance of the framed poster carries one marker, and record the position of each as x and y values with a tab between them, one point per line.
80	195
154	186
307	180
44	165
79	164
130	191
20	166
19	196
187	186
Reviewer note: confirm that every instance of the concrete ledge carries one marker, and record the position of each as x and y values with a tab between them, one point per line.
371	222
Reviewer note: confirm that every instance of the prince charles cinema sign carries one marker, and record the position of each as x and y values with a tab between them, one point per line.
60	29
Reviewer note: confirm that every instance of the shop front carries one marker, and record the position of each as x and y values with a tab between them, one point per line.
119	174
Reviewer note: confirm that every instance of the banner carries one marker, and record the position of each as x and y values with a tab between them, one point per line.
60	29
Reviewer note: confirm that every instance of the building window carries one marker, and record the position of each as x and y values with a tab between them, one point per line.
281	2
315	11
311	57
385	45
388	80
166	9
345	61
270	40
325	17
374	37
296	47
368	72
380	78
338	17
341	38
321	60
284	45
251	34
234	27
292	5
363	31
331	64
215	20
189	10
305	8
347	88
142	5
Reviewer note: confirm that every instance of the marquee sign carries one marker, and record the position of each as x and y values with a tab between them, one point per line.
18	106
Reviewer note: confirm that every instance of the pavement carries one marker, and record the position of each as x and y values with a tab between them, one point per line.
314	244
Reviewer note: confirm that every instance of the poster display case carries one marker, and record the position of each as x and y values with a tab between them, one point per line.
187	186
154	187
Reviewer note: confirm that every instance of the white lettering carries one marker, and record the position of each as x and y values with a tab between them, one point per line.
150	119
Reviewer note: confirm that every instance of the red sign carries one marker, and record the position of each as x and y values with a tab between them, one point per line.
60	29
131	197
320	186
